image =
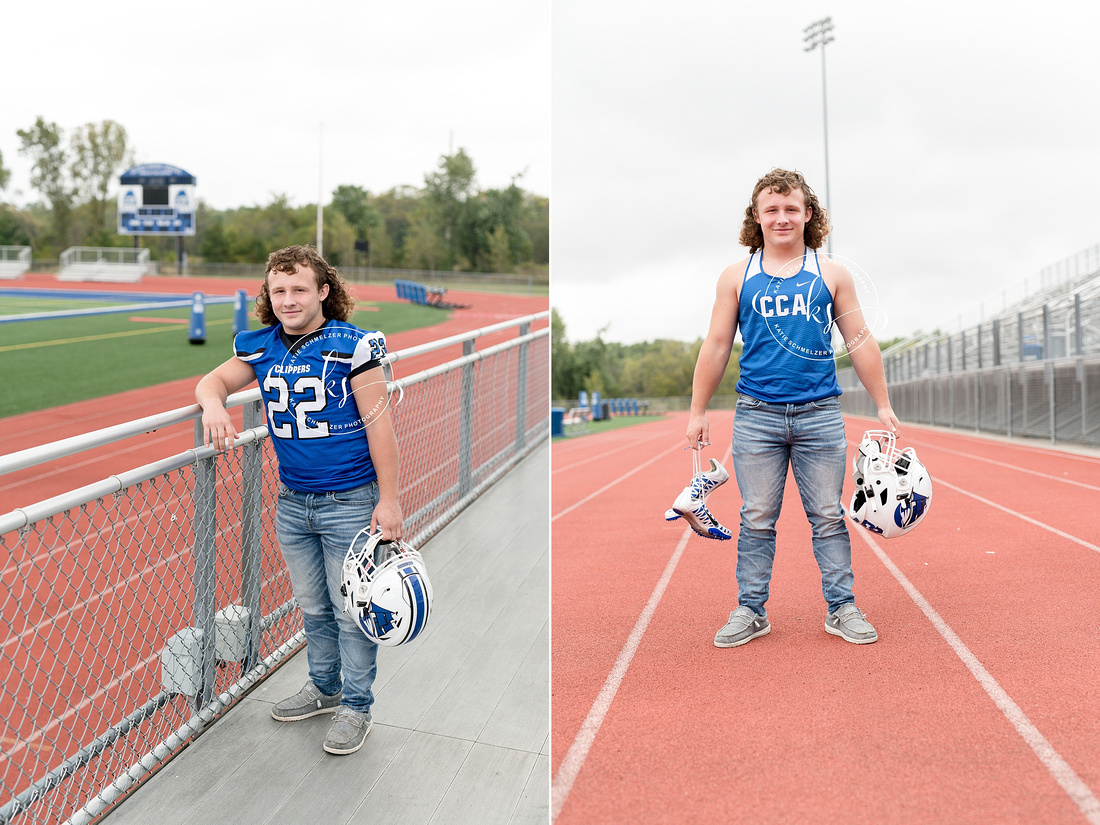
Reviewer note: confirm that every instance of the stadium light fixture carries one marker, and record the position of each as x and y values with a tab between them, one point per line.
817	34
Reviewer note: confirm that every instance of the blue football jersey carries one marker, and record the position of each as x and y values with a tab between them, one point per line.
318	431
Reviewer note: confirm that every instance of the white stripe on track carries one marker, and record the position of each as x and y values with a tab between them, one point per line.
607	487
1018	515
1006	465
1063	774
574	759
39	733
571	765
1018	443
598	456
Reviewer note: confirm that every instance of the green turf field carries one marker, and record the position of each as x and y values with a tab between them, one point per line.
48	363
612	423
10	305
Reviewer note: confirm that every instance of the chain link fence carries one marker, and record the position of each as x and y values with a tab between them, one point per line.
138	609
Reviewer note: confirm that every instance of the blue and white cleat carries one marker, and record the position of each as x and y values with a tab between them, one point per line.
696	513
703	484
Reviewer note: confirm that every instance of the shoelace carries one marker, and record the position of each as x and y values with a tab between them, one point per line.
351	717
700	484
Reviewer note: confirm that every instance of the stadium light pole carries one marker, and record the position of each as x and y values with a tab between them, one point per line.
817	34
320	190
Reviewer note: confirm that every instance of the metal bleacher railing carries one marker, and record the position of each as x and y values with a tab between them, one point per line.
106	263
14	261
138	609
1031	370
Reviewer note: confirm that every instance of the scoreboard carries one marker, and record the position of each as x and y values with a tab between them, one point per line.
156	199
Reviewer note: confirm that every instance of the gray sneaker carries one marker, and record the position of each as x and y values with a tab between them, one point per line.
744	626
307	702
849	623
348	731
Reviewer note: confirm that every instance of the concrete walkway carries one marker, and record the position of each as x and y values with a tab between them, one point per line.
461	717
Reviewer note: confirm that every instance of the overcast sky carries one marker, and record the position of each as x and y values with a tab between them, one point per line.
964	151
263	98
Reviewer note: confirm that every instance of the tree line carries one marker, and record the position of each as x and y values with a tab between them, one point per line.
448	223
653	369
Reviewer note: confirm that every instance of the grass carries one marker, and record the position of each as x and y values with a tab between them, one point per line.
60	361
613	423
23	306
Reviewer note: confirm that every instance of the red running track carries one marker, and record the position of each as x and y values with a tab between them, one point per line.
977	704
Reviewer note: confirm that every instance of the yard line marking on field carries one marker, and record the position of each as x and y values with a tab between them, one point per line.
142	319
109	309
126	334
607	487
1063	774
1019	515
1010	466
574	759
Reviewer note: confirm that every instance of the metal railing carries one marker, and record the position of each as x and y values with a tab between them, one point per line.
1055	400
14	261
1034	370
136	610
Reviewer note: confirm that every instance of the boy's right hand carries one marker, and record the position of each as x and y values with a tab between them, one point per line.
217	428
698	432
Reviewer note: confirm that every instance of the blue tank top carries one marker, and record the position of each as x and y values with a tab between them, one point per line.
786	325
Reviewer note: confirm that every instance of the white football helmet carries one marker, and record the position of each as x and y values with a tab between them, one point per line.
390	600
893	489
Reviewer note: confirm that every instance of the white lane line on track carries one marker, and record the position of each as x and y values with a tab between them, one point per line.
1063	774
39	733
607	487
1012	443
1011	512
598	456
1008	466
574	759
571	765
95	460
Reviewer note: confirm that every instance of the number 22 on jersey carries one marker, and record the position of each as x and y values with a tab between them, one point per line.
303	424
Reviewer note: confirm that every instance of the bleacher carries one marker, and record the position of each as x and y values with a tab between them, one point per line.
107	263
14	261
420	293
574	420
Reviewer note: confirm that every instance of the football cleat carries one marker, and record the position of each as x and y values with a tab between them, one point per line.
696	513
893	488
390	600
691	504
703	484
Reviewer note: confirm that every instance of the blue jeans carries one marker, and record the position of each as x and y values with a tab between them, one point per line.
314	532
810	438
